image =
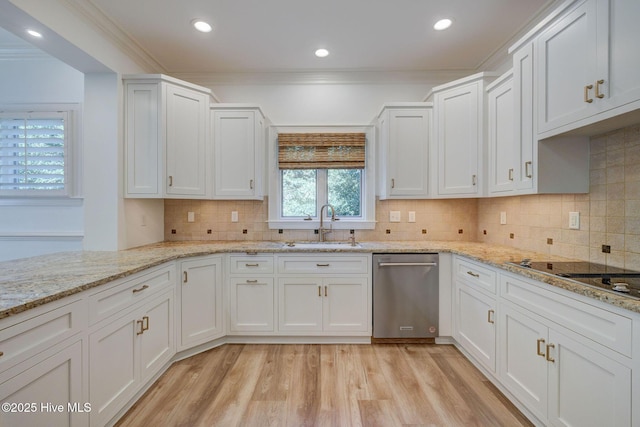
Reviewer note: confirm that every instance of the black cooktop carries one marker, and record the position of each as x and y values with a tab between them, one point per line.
613	279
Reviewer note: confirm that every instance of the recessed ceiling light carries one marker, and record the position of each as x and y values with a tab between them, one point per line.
321	53
201	25
442	24
34	33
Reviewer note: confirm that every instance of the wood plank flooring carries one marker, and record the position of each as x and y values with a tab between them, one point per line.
324	385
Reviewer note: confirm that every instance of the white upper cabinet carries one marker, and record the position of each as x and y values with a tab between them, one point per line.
404	150
459	130
238	140
502	143
166	138
587	65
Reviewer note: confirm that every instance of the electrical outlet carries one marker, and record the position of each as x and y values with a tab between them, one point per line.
412	216
574	220
394	216
234	216
191	216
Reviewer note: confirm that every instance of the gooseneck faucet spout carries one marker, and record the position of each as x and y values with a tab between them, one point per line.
322	231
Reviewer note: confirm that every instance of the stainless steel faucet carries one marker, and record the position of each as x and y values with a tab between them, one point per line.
322	231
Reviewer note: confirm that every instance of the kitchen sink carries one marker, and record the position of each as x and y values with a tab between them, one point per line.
320	245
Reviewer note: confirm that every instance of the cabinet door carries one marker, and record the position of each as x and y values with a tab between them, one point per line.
200	301
523	88
475	324
408	153
142	140
571	58
300	304
52	381
503	146
235	135
523	366
186	141
251	303
114	369
586	388
458	138
157	344
345	302
624	56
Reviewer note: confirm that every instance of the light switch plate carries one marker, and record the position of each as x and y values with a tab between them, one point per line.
394	216
412	216
234	216
191	216
574	220
503	218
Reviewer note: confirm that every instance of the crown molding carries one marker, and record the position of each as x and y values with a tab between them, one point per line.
121	39
321	77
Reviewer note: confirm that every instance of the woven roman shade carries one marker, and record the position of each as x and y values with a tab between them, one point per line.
321	150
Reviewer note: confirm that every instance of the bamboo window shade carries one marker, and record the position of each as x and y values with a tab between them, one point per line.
321	150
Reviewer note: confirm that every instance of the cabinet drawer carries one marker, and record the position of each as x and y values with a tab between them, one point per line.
31	336
475	274
604	327
310	264
243	264
120	296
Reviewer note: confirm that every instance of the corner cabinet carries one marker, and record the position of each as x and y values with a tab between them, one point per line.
238	144
459	132
403	150
167	153
200	297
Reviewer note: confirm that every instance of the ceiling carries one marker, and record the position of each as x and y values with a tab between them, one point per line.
281	35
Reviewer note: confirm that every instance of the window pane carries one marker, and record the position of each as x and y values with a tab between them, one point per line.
345	191
299	193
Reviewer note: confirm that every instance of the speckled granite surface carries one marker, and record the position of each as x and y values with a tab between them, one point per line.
30	282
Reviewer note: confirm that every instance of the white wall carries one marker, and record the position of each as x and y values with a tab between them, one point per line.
34	227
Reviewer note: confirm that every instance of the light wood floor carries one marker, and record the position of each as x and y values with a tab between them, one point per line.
324	385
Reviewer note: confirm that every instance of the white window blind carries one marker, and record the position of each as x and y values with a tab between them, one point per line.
33	153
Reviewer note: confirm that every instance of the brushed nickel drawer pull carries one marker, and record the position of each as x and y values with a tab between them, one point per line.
540	353
252	281
490	314
135	291
549	358
527	172
251	184
511	174
471	273
252	265
322	265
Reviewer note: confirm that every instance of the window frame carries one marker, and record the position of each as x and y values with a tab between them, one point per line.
364	222
72	167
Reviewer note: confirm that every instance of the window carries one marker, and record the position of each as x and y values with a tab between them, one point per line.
35	153
315	169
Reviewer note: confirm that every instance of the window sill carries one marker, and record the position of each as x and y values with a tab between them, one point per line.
40	201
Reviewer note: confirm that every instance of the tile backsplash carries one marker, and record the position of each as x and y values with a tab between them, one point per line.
609	214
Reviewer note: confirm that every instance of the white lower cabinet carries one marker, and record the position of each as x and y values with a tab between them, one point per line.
251	304
126	352
200	291
46	390
560	379
315	304
475	323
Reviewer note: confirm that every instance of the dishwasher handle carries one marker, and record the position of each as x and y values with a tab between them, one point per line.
407	264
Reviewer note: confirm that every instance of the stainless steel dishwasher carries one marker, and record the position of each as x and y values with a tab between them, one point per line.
405	295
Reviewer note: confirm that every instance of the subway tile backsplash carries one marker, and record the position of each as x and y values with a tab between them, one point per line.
609	214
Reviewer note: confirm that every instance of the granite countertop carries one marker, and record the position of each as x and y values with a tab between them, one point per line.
30	282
